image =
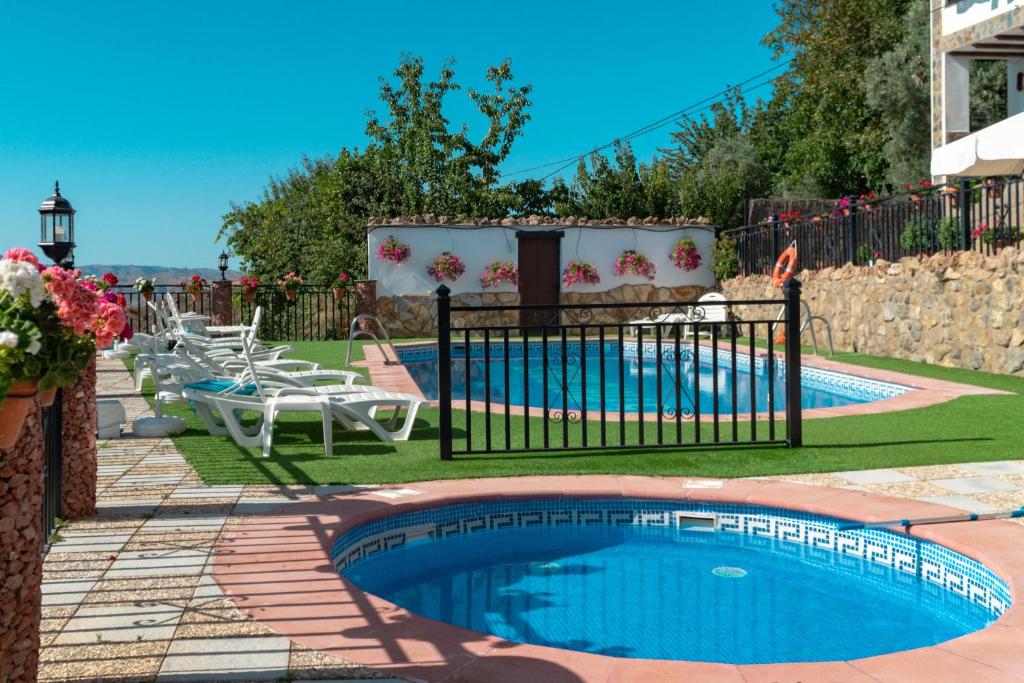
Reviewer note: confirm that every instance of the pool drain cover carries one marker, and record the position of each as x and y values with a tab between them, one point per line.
729	572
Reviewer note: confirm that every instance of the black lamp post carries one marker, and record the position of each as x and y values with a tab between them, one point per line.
57	228
222	264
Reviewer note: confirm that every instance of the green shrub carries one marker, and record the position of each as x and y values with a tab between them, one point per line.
725	261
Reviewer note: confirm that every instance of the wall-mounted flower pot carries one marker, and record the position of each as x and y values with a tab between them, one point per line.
249	296
196	296
46	397
338	292
13	410
148	296
289	294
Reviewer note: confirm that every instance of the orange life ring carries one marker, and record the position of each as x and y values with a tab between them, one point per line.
787	259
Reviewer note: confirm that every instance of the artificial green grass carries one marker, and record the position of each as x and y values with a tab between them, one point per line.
971	428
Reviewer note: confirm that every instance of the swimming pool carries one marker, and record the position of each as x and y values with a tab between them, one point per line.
633	382
661	579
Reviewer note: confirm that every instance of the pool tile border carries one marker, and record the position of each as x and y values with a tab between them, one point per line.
278	568
923	391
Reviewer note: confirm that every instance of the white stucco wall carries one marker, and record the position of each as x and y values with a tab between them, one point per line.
478	246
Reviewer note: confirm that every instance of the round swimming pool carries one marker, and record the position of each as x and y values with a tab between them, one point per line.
673	580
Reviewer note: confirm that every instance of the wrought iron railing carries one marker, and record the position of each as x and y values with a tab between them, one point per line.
982	216
315	314
53	440
618	376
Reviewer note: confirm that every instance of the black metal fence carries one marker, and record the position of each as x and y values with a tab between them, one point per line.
618	376
983	216
53	440
315	314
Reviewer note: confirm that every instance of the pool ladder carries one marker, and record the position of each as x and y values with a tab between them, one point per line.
807	322
355	331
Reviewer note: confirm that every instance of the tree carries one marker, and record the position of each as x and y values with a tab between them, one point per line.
313	220
896	87
618	188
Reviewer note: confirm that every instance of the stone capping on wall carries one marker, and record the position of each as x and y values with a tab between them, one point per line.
430	219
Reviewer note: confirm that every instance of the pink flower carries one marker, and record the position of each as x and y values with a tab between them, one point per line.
23	254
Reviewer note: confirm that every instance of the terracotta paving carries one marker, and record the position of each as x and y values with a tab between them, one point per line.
130	594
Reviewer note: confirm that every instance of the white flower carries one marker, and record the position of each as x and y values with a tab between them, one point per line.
21	277
34	347
8	340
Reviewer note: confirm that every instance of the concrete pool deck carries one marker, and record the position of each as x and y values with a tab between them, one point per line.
277	569
129	595
924	391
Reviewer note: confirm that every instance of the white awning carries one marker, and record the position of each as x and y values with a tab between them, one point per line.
992	151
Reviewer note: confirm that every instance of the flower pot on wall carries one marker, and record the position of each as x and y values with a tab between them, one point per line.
148	296
339	293
289	294
249	296
46	397
13	410
195	296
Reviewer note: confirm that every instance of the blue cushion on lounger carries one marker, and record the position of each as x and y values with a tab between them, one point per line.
218	385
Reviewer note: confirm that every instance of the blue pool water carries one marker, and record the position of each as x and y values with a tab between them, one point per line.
660	592
820	389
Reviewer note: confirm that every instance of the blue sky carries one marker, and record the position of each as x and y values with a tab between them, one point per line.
155	116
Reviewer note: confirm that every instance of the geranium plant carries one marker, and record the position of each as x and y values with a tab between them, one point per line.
290	283
447	266
145	286
499	272
249	286
194	285
51	323
633	263
340	284
393	250
577	272
685	255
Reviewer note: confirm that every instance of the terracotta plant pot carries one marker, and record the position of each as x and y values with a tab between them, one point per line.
196	295
13	410
46	397
290	294
148	296
338	292
915	197
249	296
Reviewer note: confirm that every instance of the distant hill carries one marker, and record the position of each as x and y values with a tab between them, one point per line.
164	275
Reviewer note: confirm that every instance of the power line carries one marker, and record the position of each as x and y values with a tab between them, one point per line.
655	125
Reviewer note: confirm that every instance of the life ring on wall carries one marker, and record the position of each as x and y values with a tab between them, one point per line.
787	260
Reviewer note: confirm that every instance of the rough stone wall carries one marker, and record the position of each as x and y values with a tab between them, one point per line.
416	316
21	551
78	493
220	301
958	310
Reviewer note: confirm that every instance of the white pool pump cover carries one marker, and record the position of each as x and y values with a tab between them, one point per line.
109	418
158	426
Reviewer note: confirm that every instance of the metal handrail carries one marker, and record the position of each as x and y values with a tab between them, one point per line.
808	323
354	330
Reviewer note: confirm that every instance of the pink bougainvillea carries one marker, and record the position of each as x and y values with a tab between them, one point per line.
632	263
579	272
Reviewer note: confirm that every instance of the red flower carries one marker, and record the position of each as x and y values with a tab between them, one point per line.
110	279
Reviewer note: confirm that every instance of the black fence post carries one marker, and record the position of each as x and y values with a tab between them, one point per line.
851	233
794	414
964	199
444	370
776	249
53	441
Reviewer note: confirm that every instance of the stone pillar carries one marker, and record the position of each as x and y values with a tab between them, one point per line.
21	551
221	303
366	302
78	486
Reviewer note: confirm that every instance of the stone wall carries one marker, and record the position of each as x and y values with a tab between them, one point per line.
78	493
416	316
958	310
21	551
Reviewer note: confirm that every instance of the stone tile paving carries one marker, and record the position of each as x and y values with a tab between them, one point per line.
128	595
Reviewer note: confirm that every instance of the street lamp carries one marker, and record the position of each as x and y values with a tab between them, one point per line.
57	228
222	264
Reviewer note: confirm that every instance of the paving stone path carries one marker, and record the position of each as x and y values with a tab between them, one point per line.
128	595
